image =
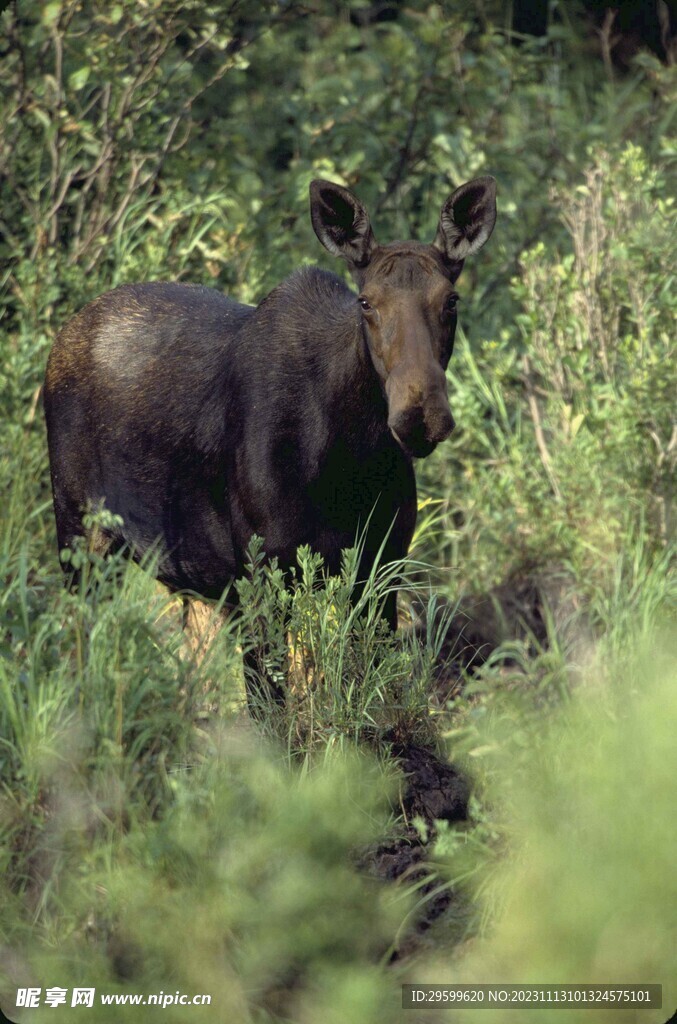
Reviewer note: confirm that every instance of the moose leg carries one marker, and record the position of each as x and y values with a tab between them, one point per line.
388	606
390	611
201	624
263	686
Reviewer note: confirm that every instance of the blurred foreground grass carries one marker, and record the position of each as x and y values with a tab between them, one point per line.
585	889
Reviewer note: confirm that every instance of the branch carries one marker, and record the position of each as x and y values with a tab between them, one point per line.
538	429
395	179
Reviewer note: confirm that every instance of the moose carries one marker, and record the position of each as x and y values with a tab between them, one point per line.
200	421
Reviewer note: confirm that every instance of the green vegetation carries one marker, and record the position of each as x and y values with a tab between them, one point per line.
151	837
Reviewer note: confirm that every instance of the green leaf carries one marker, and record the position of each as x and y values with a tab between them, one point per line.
576	424
78	78
51	12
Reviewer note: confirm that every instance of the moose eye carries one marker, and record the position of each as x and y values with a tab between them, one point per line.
450	303
364	304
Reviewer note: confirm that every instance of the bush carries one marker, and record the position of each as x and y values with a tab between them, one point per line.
566	442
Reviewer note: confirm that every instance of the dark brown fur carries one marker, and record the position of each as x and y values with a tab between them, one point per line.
201	421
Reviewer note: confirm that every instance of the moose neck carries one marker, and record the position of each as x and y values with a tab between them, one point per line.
359	402
315	353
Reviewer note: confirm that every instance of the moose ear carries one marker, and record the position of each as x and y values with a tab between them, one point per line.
467	219
341	223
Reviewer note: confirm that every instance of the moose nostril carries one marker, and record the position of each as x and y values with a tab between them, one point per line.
441	427
406	421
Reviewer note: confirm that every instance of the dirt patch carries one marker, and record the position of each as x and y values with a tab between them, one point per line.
432	790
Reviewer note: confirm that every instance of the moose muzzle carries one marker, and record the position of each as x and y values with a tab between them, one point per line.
419	416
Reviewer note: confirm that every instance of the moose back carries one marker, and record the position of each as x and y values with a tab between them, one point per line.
201	421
